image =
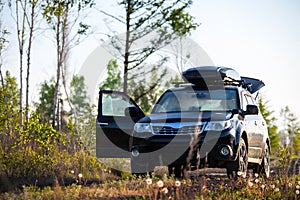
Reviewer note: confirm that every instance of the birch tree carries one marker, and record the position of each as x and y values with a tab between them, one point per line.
21	30
62	16
31	19
25	14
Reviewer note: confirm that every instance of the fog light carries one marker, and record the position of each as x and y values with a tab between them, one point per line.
135	152
225	151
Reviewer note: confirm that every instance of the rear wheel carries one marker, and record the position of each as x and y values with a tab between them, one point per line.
239	167
264	168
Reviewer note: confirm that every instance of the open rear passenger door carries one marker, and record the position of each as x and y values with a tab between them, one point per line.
117	115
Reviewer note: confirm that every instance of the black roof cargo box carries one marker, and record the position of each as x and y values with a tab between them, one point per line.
204	76
252	84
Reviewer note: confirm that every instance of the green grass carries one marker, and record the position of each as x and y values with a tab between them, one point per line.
91	180
277	187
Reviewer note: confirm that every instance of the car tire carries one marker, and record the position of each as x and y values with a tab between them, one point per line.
264	168
266	162
240	165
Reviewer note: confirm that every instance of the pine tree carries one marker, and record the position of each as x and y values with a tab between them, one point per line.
270	120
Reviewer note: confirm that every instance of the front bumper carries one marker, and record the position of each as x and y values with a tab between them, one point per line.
212	149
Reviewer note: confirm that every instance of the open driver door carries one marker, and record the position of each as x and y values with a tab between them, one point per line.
117	115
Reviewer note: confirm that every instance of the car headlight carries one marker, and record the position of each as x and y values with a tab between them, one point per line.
217	126
143	127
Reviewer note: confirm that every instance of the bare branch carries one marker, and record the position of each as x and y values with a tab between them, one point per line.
111	16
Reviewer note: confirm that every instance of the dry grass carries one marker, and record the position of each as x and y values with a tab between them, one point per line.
163	187
203	184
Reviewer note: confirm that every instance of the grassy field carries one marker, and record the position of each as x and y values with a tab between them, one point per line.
197	186
284	183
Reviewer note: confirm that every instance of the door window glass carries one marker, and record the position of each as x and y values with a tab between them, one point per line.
115	104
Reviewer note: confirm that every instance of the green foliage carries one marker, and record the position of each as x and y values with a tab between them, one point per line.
296	144
181	22
78	93
157	23
284	160
292	128
9	95
41	151
145	89
82	130
85	164
61	8
45	104
38	134
167	17
3	40
145	92
83	28
82	124
35	150
270	120
291	121
113	80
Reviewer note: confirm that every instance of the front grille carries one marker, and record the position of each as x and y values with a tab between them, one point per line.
167	130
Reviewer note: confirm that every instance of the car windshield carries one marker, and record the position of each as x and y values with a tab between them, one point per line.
197	100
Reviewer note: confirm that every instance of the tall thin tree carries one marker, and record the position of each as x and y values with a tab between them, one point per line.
25	15
156	22
58	14
21	29
31	20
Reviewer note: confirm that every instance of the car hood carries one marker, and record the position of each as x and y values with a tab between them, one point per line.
186	117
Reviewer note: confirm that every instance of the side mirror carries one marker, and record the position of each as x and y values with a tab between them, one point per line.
133	112
251	110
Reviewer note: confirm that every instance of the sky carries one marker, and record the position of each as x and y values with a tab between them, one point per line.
259	39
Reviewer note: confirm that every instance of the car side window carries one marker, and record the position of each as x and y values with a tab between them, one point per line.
115	105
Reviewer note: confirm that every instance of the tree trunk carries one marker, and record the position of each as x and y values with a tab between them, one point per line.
126	59
62	52
58	52
28	59
21	36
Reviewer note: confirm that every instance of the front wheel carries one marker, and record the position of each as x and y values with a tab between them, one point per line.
240	165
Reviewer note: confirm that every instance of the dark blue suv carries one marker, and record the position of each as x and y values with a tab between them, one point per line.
211	120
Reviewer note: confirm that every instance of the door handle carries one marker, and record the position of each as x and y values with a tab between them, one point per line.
103	123
255	122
